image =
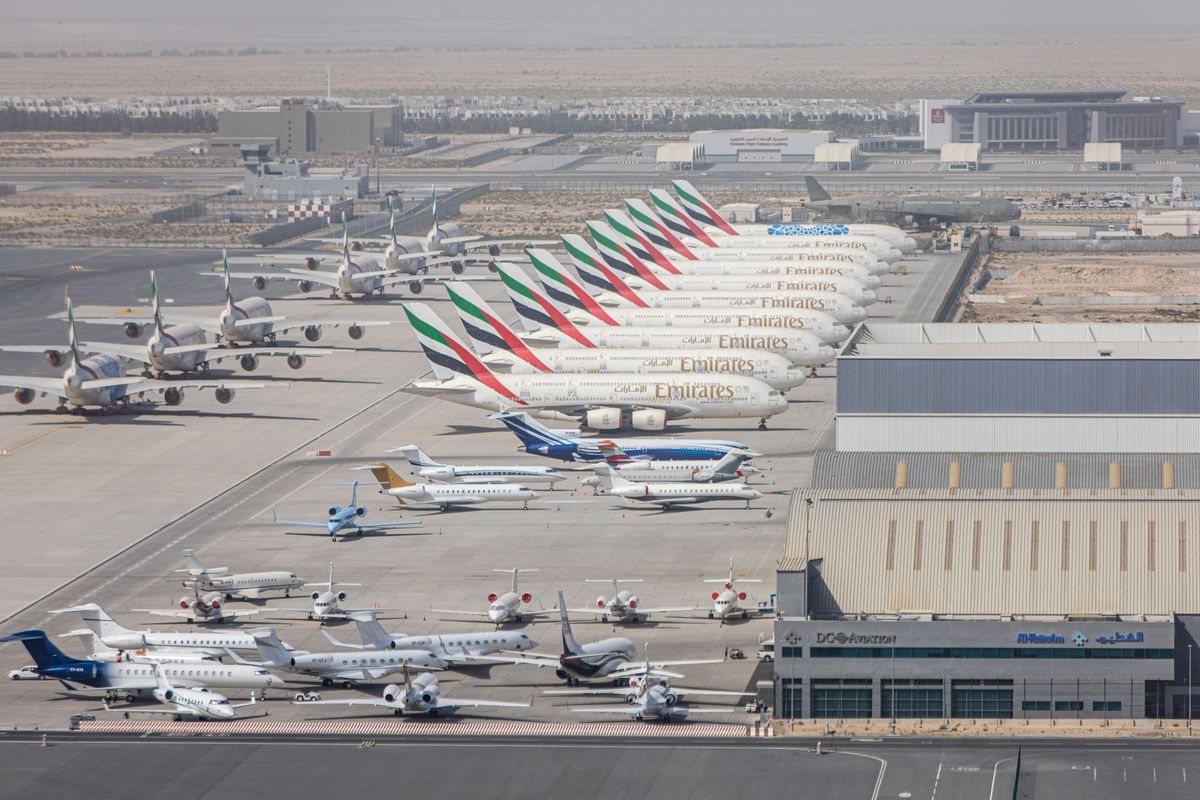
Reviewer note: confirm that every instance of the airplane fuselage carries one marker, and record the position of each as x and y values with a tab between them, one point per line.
719	322
843	309
245	309
95	367
175	336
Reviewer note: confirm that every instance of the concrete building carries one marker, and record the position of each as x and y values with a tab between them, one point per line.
300	126
1052	120
760	145
988	602
291	180
1019	388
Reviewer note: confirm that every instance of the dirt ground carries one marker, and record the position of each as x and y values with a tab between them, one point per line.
1082	274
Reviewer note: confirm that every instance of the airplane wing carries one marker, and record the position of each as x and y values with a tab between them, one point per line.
132	385
582	692
452	703
477	242
456	611
130	352
286	274
271	260
626	710
301	524
534	661
217	353
380	703
219	616
378	526
52	386
171	317
711	692
294	324
673	410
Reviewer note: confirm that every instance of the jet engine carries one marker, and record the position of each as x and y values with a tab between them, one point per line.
224	395
493	250
295	361
428	697
671	698
741	595
416	287
184	604
493	597
716	595
342	596
133	330
393	692
315	596
603	419
312	333
304	286
249	362
213	601
649	419
601	602
631	698
310	263
632	602
54	358
168	695
360	512
24	396
259	282
333	510
356	247
458	268
356	332
173	396
526	598
438	473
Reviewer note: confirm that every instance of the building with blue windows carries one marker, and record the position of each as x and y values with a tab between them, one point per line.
991	586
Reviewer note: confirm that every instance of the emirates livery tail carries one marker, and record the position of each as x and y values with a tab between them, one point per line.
562	287
484	327
650	225
698	207
619	257
448	355
534	308
677	219
597	274
628	234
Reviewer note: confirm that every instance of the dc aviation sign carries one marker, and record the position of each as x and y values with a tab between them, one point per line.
855	638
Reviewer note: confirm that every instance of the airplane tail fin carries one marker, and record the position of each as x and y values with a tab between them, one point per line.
570	645
815	190
698	207
41	649
614	456
564	289
529	431
72	340
91	642
392	220
271	651
160	678
595	273
370	631
97	619
447	354
485	328
675	218
345	238
154	303
651	225
729	463
618	256
537	309
628	234
225	270
418	457
192	563
388	478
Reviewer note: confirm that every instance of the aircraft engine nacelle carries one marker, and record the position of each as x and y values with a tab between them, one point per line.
342	596
716	595
304	286
334	510
392	692
24	396
438	473
54	358
312	333
428	697
671	698
213	601
295	361
458	268
601	602
259	282
493	250
184	604
631	698
249	362
527	598
493	597
603	419
168	695
561	674
360	512
356	247
316	596
173	396
741	595
224	395
649	419
633	602
356	332
133	330
310	263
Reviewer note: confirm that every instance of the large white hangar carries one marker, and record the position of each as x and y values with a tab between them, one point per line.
760	145
1033	388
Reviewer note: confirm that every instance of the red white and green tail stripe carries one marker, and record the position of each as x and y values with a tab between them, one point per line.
564	290
698	208
618	255
594	272
447	354
652	227
676	219
629	235
485	328
535	309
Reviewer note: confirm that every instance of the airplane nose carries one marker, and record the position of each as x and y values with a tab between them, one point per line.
869	297
776	403
826	353
837	333
857	314
872	282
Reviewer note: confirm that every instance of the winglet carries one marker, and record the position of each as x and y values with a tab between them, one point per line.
225	269
345	238
74	342
158	323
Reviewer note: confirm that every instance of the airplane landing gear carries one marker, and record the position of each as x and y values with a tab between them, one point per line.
326	682
762	424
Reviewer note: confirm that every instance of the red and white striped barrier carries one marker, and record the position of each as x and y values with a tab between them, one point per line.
428	727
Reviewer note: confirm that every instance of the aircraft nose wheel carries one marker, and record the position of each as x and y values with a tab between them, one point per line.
762	424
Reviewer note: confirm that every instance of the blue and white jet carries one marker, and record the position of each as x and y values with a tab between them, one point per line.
344	521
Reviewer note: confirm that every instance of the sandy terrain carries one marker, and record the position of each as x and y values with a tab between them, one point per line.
1075	274
871	72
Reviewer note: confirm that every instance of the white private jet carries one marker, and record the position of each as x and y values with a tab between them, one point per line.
727	602
200	608
194	703
667	495
325	605
506	607
731	466
445	495
345	521
623	605
420	695
344	667
237	584
97	650
433	470
210	642
456	649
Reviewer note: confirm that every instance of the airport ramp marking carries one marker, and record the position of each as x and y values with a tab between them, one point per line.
424	725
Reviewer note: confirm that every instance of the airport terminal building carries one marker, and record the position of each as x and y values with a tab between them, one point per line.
991	586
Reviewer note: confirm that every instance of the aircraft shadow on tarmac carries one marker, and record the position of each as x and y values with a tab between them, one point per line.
459	430
148	416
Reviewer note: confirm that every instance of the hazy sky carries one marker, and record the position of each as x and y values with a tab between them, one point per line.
298	24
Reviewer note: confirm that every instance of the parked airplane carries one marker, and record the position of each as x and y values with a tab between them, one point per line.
675	218
237	584
727	601
97	650
445	495
652	698
347	668
603	402
667	495
456	649
100	380
608	659
613	271
807	262
176	348
656	231
623	605
181	702
420	695
704	213
249	320
326	604
134	677
344	521
611	282
506	607
919	209
501	349
731	466
113	635
536	438
433	470
563	313
201	608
